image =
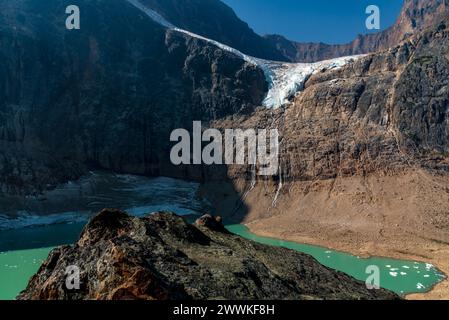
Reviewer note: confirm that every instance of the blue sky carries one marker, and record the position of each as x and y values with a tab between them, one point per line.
329	21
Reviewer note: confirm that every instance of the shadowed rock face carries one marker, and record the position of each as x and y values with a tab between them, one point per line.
107	95
163	257
215	20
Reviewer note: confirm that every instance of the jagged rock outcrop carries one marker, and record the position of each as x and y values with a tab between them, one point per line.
415	16
163	257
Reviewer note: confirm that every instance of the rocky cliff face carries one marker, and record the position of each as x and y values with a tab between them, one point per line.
107	95
100	98
363	155
162	257
385	112
415	16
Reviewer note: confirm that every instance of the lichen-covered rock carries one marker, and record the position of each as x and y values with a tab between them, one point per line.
164	257
213	223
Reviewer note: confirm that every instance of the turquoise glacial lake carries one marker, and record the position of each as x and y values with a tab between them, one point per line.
30	229
401	276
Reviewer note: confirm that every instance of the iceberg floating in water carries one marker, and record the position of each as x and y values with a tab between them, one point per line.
420	286
285	80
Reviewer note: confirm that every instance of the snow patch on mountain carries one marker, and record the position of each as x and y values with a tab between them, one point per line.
285	80
152	14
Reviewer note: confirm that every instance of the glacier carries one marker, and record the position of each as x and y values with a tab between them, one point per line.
285	80
288	79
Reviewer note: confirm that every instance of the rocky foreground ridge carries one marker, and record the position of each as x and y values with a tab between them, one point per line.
163	257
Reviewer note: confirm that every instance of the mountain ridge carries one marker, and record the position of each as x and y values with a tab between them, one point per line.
215	20
415	16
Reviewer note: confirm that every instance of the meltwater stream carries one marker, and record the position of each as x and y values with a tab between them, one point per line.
30	228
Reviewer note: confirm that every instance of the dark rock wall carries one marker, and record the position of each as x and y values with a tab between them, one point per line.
107	95
215	20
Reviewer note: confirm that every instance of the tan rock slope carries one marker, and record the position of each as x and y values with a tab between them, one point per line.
364	158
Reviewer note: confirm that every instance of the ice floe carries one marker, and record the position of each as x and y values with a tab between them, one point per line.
136	195
420	286
394	269
26	220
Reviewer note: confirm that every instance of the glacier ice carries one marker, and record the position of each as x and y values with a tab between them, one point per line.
152	14
285	80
